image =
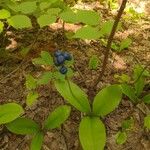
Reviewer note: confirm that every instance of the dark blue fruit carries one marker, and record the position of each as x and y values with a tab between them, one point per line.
60	59
57	53
67	56
63	70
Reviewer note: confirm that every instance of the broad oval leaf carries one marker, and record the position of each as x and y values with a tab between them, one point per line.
4	14
23	126
74	95
57	117
88	17
27	7
20	21
88	33
68	16
45	20
107	100
121	137
146	99
9	112
92	133
37	141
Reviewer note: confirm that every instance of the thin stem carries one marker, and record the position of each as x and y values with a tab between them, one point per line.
110	39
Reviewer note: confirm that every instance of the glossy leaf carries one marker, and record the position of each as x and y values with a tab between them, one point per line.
9	112
107	100
23	126
121	137
37	141
20	21
74	95
57	117
92	133
31	98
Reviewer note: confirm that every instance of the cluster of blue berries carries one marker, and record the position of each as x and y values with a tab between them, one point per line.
60	58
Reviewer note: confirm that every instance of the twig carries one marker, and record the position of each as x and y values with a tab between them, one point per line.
110	39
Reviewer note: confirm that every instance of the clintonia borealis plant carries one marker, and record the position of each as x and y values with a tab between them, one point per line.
92	133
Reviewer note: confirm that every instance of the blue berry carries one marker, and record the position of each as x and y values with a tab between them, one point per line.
67	56
60	59
57	53
63	70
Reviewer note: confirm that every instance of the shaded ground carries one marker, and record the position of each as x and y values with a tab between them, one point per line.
12	79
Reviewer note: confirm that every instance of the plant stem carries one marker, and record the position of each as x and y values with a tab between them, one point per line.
110	39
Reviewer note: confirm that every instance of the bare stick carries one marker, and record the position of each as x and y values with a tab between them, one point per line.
110	39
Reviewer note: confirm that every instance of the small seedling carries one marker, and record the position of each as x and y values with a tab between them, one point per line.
126	126
25	126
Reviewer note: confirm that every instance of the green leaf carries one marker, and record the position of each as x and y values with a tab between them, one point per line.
47	57
57	117
146	99
1	26
74	95
121	137
58	76
31	83
107	100
139	86
92	133
88	17
125	43
88	33
27	7
4	14
45	20
94	62
23	126
9	112
20	21
139	79
53	11
129	91
45	78
107	27
31	98
37	141
127	124
147	122
68	16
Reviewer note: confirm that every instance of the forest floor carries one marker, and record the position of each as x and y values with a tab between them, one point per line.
13	70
